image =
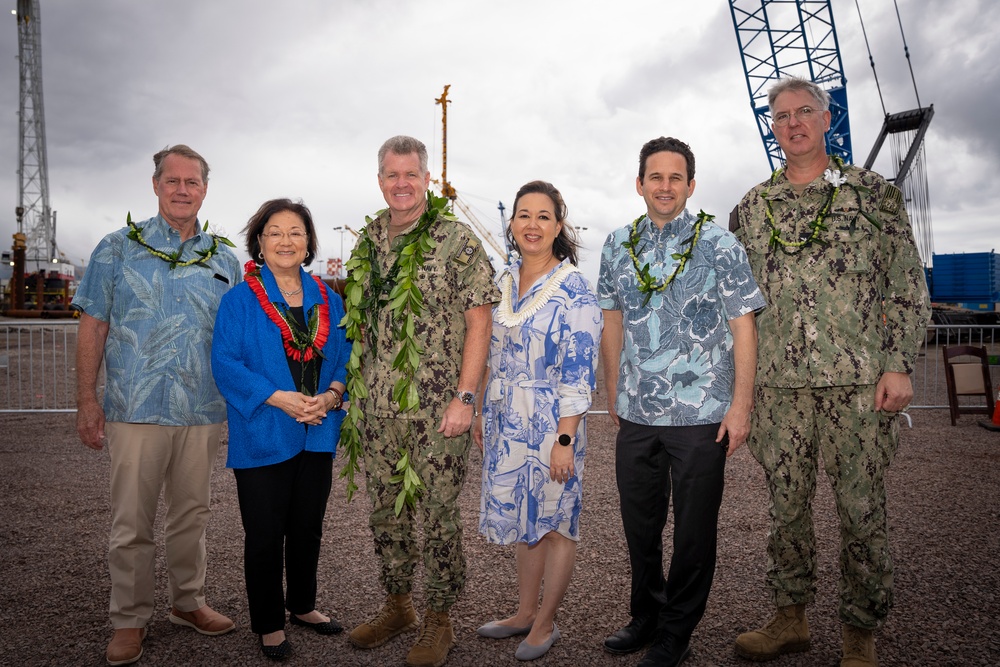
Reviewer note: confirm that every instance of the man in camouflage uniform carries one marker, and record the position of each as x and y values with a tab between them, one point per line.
453	330
832	250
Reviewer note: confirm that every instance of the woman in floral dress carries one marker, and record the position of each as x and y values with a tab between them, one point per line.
542	363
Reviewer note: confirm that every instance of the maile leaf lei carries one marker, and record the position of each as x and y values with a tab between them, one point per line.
367	291
647	284
174	258
816	226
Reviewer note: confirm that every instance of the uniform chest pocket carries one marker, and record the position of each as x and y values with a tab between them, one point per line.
852	242
432	280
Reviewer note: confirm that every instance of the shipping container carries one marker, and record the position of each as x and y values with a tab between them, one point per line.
967	278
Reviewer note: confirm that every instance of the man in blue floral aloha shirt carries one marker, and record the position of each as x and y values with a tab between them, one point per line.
148	301
679	352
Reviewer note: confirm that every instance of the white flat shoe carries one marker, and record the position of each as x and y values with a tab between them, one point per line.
494	630
526	651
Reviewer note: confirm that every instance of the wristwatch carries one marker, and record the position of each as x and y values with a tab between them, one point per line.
565	440
467	397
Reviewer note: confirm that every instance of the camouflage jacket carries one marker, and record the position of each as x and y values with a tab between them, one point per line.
846	308
456	276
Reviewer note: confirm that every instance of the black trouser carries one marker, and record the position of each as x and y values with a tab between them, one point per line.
282	507
649	461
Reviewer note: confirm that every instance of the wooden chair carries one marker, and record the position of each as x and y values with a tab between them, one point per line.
967	377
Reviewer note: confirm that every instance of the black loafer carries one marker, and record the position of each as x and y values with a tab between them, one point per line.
279	652
330	627
634	636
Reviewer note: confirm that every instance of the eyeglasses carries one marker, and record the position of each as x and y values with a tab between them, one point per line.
294	235
804	115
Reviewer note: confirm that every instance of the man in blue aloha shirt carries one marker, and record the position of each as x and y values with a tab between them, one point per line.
679	353
148	301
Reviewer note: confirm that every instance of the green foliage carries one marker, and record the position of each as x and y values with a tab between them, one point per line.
174	258
646	282
367	293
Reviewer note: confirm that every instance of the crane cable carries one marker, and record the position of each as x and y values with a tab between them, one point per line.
871	59
906	50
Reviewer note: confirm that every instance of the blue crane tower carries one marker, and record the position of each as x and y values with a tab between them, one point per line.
780	38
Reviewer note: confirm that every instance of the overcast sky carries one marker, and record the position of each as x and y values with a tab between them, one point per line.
294	98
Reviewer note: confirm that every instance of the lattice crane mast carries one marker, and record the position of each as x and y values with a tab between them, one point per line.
779	38
35	219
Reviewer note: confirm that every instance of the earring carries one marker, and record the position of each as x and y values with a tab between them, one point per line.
261	254
307	254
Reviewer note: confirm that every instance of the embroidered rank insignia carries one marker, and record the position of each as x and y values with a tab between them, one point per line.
466	254
891	200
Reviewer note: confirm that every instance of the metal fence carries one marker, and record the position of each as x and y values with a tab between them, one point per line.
38	364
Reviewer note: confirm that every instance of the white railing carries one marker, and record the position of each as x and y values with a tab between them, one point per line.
38	364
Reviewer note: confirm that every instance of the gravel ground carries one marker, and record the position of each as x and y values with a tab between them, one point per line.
944	504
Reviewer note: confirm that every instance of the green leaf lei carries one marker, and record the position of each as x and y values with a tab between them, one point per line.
647	284
816	226
366	293
174	258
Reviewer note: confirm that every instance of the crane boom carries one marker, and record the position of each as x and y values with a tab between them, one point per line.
779	38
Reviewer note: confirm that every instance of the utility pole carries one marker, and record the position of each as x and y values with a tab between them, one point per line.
446	188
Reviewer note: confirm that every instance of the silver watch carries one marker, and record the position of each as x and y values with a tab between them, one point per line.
467	397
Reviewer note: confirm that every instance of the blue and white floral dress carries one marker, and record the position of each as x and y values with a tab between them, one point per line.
543	360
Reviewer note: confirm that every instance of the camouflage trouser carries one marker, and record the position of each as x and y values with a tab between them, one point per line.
790	429
441	464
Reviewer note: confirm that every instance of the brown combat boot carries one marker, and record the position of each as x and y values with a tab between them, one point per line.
396	617
436	639
786	632
859	647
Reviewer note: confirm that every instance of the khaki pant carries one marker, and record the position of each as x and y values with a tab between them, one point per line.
146	458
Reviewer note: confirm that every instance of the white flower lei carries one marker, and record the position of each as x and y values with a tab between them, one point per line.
505	314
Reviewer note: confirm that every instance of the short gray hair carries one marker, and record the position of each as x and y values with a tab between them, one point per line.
793	84
403	145
183	151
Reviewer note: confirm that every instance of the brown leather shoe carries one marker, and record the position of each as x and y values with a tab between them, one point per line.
206	620
125	646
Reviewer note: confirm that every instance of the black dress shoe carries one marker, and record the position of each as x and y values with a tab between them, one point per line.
330	627
279	652
634	636
668	651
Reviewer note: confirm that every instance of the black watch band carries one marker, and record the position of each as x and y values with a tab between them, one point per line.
565	440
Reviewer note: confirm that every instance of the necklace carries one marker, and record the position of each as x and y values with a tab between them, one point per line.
300	346
647	284
367	292
174	258
816	226
505	314
292	293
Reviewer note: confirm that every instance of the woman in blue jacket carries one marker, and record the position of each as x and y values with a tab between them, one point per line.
279	358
